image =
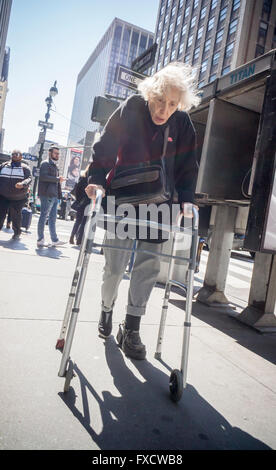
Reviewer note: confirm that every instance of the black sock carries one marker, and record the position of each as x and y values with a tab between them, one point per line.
132	322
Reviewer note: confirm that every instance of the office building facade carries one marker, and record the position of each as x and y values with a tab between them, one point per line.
121	44
5	10
215	36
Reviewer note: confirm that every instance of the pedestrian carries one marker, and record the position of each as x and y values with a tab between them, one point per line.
8	223
15	179
79	205
49	191
147	126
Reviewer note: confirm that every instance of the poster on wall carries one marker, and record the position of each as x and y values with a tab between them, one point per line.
74	167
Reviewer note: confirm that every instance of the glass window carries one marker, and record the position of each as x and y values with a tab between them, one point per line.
199	32
196	2
150	42
166	60
201	84
203	66
118	33
187	58
216	58
211	24
214	4
187	10
171	27
168	44
193	21
181	3
190	40
175	37
229	50
203	12
181	47
259	50
166	18
225	70
236	4
173	11
207	45
222	14
173	54
212	77
178	19
184	28
163	35
219	36
233	26
162	10
196	53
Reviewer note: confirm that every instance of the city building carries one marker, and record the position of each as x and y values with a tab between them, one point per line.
121	44
5	10
3	92
215	36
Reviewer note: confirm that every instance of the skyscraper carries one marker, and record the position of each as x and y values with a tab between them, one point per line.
215	36
121	44
5	9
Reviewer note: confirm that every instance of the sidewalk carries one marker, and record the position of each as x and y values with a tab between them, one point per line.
114	402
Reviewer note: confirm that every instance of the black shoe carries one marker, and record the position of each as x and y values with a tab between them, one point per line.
131	344
16	237
105	324
71	241
8	226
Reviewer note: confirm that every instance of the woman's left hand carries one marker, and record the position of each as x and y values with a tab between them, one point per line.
187	208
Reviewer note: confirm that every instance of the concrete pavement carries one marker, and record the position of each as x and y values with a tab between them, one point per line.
114	402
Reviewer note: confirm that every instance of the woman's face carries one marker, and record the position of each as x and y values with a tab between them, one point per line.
161	108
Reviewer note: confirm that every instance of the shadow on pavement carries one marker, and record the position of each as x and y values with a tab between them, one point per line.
263	345
13	245
144	417
50	253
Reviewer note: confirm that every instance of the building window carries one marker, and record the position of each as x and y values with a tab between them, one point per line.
229	50
259	50
266	9
201	84
200	32
178	19
236	4
166	60
196	53
193	21
161	51
216	58
170	28
233	26
196	2
211	24
187	58
184	30
219	36
162	10
212	77
187	10
204	66
166	18
163	35
181	47
203	12
190	40
175	38
263	29
173	54
207	45
181	3
173	11
214	4
223	14
168	45
225	70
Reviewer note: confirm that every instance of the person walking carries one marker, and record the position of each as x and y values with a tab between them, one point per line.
79	205
49	191
15	179
145	128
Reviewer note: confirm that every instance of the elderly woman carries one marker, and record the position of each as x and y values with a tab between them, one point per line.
136	132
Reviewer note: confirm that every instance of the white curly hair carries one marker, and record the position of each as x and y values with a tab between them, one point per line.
175	75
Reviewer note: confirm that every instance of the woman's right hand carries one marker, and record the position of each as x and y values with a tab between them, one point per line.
91	190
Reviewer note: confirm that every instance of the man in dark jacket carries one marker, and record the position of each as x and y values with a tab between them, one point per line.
49	191
15	179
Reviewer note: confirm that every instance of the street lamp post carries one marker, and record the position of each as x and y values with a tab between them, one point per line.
45	125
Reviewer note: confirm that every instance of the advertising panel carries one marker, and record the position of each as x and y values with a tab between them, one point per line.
74	167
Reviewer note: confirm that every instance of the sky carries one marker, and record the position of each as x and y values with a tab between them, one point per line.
51	40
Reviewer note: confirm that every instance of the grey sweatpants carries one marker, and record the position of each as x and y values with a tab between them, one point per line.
143	276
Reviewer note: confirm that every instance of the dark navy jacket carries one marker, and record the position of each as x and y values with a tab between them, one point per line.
12	173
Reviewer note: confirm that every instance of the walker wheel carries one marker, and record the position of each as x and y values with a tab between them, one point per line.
176	385
68	377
